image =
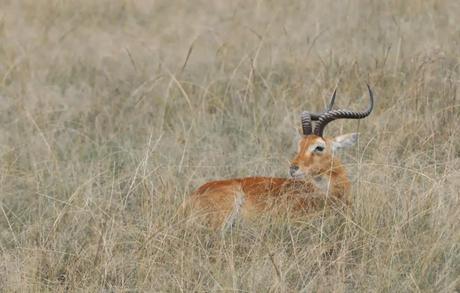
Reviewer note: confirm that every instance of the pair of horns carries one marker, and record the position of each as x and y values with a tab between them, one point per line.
330	115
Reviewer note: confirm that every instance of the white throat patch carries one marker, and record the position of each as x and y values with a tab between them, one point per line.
322	183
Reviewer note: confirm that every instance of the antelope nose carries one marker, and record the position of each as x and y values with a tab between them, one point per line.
293	169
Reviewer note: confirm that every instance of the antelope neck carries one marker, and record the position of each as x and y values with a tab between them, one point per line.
337	179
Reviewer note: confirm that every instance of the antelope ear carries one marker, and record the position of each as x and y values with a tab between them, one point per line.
344	141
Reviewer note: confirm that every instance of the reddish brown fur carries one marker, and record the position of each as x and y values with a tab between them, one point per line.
218	201
325	164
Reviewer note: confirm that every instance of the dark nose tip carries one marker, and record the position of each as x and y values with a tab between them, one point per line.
293	169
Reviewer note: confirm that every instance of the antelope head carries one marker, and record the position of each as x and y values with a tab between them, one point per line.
315	153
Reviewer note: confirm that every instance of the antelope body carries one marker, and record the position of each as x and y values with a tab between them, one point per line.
318	179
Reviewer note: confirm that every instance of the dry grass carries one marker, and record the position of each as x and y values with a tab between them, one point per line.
106	126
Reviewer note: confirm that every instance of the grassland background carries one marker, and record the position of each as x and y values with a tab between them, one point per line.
112	112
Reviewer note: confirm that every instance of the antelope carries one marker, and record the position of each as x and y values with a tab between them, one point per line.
317	178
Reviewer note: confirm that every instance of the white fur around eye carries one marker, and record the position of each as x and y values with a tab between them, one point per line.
312	148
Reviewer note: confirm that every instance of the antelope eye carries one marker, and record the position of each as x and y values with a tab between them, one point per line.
319	149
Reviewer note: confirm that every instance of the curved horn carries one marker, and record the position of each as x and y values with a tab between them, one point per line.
331	102
332	115
306	123
315	116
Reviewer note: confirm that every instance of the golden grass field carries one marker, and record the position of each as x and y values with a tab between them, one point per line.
113	112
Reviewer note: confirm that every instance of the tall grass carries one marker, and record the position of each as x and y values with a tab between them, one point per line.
112	112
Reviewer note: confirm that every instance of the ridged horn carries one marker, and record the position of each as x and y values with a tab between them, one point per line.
332	115
306	123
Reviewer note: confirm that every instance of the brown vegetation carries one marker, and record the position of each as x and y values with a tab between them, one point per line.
112	112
